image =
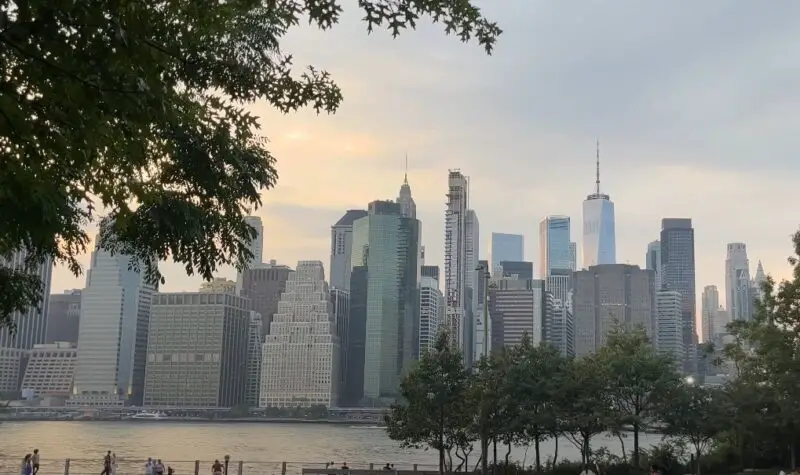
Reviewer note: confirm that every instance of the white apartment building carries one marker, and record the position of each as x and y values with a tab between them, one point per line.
430	299
50	370
300	366
669	325
455	256
254	355
115	314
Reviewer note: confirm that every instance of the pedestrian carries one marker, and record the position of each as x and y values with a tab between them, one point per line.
148	467
216	468
35	461
106	464
27	467
114	463
158	469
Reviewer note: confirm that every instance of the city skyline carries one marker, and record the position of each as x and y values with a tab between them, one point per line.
663	155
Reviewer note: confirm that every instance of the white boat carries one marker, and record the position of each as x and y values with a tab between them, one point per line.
151	416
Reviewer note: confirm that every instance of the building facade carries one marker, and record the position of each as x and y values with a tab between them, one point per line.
255	246
653	261
518	307
263	286
64	317
341	248
669	325
599	228
387	244
519	270
301	352
607	296
252	390
50	370
197	350
430	298
340	314
507	247
678	273
738	287
555	246
31	325
455	256
473	281
112	335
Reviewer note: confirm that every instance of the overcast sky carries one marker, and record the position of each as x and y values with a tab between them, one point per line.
696	106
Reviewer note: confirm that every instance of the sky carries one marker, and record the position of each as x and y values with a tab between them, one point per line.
695	105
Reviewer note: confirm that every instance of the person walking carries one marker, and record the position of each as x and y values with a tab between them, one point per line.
35	461
27	467
114	463
106	464
216	468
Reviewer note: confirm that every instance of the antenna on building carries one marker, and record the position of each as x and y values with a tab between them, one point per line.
405	176
597	180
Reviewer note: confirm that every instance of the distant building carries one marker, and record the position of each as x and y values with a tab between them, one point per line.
256	248
341	248
653	261
63	321
515	269
518	307
431	271
710	314
430	299
507	247
31	325
560	329
115	315
669	326
11	360
197	350
301	352
609	295
555	247
263	286
738	287
456	266
340	314
678	273
352	393
219	285
254	355
472	304
50	370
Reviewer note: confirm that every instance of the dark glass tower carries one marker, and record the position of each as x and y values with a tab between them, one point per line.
678	274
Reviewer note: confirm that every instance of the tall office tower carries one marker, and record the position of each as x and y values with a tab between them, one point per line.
112	335
431	271
31	325
560	330
387	244
255	246
738	288
609	295
515	269
456	270
252	390
573	256
408	208
653	261
197	349
64	317
473	278
483	320
507	247
50	370
429	299
669	325
678	273
599	235
341	248
560	286
710	314
518	307
219	285
263	286
555	247
301	352
758	281
352	393
340	314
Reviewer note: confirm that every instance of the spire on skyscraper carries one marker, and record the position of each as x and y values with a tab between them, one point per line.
597	180
405	175
407	204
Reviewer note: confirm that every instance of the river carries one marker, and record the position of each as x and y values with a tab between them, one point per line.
261	446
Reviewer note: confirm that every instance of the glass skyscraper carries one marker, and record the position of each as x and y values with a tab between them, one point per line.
387	245
507	247
555	253
678	274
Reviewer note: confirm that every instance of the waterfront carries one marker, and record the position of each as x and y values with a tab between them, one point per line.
262	446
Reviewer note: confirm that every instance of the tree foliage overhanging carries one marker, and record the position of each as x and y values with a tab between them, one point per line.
523	395
137	108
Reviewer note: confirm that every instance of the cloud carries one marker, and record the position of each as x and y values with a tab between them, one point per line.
694	104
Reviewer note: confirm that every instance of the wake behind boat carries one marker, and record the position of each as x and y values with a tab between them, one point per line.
148	416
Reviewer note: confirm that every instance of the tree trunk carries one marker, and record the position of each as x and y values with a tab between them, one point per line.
494	459
508	454
697	461
485	455
586	452
441	440
793	455
635	444
538	457
622	445
555	452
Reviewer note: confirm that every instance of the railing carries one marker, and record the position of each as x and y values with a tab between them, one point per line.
128	466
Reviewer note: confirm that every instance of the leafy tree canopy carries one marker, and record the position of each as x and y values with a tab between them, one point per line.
137	108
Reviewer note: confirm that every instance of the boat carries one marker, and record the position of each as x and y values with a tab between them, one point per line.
149	416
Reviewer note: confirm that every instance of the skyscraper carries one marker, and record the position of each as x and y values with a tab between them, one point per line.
112	335
473	279
609	295
387	245
518	307
669	325
738	288
197	349
31	325
301	353
255	246
255	340
653	261
599	235
263	286
455	256
573	256
709	311
758	281
64	316
340	314
507	247
555	247
341	248
408	208
678	273
430	297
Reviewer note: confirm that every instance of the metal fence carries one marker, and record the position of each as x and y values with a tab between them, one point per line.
127	466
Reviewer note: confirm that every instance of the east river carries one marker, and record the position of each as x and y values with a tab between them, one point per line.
261	446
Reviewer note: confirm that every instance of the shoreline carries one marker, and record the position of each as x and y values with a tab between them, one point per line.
240	420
